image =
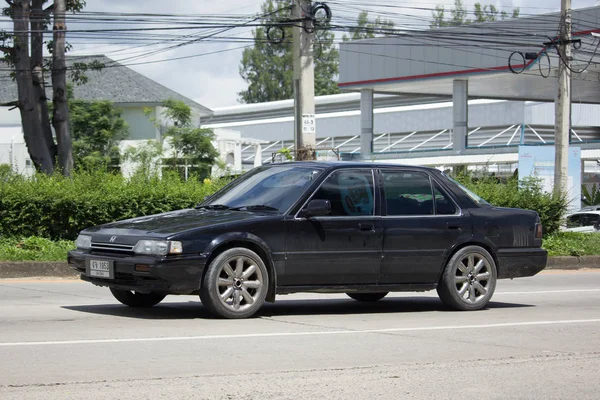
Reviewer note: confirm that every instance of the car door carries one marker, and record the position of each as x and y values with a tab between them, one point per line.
343	248
420	223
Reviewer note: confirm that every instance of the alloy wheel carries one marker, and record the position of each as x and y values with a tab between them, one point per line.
240	283
472	278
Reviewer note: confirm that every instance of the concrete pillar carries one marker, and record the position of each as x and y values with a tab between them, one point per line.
460	106
237	157
366	124
257	155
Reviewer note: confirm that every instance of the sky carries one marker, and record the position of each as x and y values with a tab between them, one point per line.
214	80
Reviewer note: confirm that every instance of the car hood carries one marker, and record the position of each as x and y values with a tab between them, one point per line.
175	222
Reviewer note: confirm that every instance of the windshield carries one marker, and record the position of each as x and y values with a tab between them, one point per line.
472	195
268	188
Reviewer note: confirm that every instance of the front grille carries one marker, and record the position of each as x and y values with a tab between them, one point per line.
112	247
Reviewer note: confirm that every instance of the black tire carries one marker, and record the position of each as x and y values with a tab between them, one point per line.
237	295
461	278
367	297
135	299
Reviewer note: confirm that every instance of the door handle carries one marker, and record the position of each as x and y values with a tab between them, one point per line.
453	225
366	227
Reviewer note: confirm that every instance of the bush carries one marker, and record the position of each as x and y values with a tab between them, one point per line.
527	194
573	244
57	208
34	249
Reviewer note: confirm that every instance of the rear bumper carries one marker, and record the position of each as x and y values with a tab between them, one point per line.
518	263
173	275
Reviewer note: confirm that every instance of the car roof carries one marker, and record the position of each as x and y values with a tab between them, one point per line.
351	164
585	212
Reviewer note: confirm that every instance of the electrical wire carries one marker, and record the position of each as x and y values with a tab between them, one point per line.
150	34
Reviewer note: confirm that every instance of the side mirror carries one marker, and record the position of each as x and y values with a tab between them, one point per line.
317	208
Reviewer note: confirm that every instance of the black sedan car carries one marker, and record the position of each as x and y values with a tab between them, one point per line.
355	228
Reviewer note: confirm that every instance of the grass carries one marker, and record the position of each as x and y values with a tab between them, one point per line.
34	249
573	244
40	249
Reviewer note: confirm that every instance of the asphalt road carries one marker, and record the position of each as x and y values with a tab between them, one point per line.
539	339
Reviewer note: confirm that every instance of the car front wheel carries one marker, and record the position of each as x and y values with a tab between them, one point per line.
368	297
235	284
135	299
469	279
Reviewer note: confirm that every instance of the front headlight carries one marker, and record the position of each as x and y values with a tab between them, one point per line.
84	242
158	247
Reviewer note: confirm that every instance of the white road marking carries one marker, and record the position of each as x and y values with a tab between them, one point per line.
550	291
290	334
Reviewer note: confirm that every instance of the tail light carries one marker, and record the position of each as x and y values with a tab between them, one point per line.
539	231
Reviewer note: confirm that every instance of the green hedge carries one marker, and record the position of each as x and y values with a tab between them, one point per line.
58	208
527	194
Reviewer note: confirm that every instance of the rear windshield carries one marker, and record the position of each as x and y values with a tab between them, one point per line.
469	193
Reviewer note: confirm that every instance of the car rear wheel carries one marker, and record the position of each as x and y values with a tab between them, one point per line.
469	279
235	284
369	297
135	299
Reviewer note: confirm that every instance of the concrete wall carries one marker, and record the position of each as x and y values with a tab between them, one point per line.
13	151
581	115
9	117
140	125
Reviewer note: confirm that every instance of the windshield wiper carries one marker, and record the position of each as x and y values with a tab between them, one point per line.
256	207
213	207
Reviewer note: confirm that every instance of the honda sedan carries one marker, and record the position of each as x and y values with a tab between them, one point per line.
355	228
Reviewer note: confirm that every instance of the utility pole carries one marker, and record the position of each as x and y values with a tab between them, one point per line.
305	129
562	126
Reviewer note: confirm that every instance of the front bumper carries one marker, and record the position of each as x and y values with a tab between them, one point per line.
168	275
518	263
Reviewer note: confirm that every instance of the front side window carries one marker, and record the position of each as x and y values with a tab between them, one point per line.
574	221
408	193
275	187
350	193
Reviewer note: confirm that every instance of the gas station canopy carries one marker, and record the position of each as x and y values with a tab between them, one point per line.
428	62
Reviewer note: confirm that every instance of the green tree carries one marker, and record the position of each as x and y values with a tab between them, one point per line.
145	158
96	128
23	50
459	15
268	68
368	29
190	145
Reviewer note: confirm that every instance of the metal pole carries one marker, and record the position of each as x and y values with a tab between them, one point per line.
305	131
563	102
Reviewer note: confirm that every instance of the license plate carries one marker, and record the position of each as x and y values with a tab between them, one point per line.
101	269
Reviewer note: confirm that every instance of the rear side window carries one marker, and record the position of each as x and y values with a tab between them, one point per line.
408	193
589	219
443	204
469	193
350	193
